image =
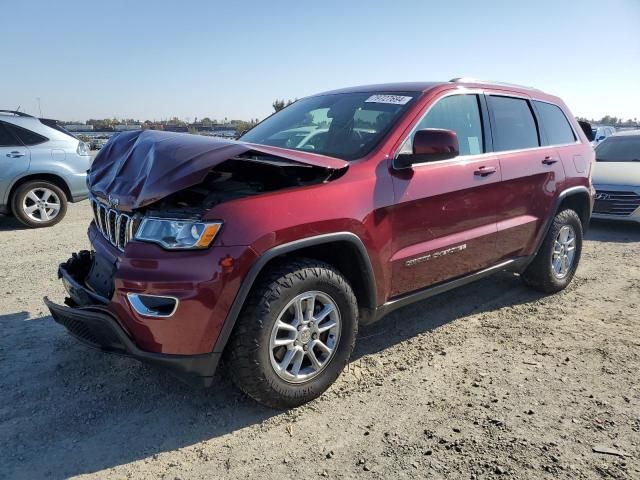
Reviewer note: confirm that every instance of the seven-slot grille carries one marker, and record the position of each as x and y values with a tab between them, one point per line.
616	203
115	226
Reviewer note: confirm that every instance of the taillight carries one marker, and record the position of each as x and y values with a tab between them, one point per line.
83	148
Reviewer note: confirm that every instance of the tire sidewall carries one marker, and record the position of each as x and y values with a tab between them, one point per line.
327	284
21	192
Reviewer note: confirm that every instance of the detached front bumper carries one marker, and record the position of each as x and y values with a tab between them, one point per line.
96	327
90	318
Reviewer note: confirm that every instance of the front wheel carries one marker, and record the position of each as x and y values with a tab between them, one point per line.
557	260
294	335
39	204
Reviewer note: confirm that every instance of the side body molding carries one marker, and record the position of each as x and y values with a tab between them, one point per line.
249	280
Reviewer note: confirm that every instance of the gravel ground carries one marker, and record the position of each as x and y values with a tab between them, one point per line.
489	381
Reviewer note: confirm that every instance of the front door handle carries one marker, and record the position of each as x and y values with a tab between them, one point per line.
549	161
15	154
484	171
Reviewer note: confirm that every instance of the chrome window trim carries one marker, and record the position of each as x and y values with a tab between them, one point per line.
475	91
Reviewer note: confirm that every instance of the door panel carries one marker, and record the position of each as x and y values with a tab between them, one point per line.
529	184
444	221
531	173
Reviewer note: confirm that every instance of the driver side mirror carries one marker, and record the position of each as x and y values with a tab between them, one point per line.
430	145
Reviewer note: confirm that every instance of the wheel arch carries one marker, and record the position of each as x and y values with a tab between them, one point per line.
338	249
577	198
57	180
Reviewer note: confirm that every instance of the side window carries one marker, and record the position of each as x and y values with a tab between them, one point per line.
6	139
27	136
514	127
555	125
460	113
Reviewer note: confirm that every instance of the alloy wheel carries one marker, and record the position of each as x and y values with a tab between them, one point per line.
304	337
41	204
564	252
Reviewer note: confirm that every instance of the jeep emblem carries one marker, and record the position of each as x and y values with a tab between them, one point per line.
113	202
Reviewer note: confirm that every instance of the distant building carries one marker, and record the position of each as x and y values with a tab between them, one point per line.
123	127
79	127
224	131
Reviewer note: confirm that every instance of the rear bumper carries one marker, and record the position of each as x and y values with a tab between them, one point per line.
96	327
77	184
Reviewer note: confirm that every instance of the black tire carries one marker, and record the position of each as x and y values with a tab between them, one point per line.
248	355
18	202
540	274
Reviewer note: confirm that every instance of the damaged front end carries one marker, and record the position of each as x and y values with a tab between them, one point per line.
87	316
137	169
167	306
159	175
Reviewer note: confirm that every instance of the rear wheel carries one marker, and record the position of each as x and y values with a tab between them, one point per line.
557	260
39	204
295	334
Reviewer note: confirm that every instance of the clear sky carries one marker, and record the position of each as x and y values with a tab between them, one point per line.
155	60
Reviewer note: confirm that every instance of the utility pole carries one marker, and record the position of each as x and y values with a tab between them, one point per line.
39	106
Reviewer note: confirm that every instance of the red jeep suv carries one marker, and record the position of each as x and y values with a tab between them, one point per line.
268	252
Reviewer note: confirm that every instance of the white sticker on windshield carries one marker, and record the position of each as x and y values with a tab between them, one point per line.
392	99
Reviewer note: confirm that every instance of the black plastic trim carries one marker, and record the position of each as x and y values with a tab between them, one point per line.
286	248
106	335
399	302
564	194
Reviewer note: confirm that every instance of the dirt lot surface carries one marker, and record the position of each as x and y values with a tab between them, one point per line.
489	381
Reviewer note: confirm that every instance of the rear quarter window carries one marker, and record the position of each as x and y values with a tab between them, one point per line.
556	127
6	138
27	137
514	127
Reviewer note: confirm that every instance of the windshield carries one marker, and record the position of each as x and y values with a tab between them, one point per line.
623	148
344	125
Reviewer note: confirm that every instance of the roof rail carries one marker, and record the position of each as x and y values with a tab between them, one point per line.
15	112
489	82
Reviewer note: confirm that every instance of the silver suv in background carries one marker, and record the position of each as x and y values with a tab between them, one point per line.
616	177
42	167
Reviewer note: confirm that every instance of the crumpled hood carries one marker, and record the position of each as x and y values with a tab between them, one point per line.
135	169
617	173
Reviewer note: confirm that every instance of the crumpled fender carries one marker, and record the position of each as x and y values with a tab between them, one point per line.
135	169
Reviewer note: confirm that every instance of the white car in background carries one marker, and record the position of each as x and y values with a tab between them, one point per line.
616	177
600	133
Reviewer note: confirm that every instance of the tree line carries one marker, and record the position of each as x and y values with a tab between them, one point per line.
612	121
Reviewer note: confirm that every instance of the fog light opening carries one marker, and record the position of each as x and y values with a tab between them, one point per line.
153	305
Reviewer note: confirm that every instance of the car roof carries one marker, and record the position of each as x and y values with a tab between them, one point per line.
465	82
34	124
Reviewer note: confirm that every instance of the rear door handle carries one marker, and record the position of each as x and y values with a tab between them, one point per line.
484	171
15	154
549	161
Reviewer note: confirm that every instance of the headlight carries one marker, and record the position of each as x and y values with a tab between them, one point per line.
178	234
